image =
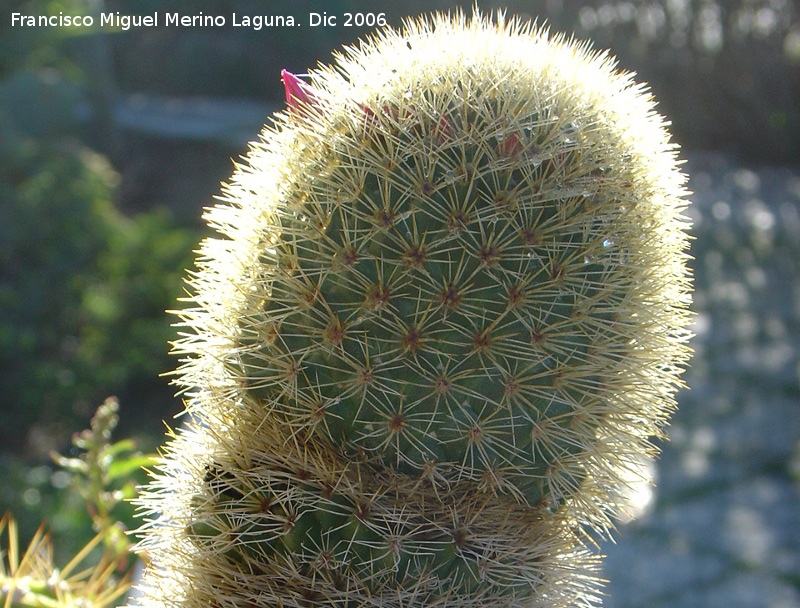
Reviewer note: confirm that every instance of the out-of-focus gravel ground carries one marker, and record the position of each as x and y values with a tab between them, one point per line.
722	526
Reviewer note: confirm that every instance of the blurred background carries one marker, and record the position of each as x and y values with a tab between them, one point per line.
112	142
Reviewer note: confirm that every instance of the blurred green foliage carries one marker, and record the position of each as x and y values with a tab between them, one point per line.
83	286
83	289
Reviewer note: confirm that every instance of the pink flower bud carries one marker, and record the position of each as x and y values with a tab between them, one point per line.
297	91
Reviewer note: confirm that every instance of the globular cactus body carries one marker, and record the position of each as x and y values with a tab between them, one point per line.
448	315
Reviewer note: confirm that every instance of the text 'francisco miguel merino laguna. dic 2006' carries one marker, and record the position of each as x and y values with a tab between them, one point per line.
125	22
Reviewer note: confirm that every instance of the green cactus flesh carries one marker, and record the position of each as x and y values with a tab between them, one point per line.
447	318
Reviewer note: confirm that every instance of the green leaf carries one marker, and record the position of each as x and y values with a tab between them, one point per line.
120	469
124	445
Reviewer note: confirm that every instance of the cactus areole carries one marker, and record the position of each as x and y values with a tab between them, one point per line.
444	318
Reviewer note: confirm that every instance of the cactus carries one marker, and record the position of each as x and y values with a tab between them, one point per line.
445	318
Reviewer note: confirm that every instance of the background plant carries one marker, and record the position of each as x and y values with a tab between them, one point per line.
102	476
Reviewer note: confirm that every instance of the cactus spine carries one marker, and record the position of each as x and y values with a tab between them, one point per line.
446	316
